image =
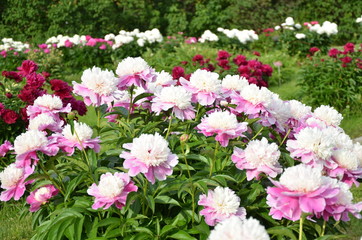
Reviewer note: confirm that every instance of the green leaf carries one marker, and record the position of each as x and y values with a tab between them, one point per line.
282	231
166	200
143	95
166	229
151	202
182	235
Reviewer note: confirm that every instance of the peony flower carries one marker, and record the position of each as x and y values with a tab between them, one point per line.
41	196
149	154
45	121
343	206
97	86
220	204
232	83
5	148
314	146
163	79
224	125
176	98
300	190
329	115
205	86
9	116
81	138
258	157
234	228
134	71
13	180
47	104
26	145
112	189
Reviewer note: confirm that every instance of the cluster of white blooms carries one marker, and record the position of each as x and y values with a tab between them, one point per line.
326	28
244	36
124	37
9	43
61	40
300	36
359	20
288	24
208	36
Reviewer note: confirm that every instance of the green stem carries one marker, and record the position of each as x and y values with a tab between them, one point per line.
261	129
131	103
145	196
301	221
52	180
183	154
169	127
285	137
214	158
323	228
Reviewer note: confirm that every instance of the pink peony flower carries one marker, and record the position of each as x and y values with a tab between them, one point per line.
149	154
224	125
258	157
205	87
176	98
13	180
81	138
45	121
300	190
220	204
112	189
47	104
97	86
5	148
41	196
134	71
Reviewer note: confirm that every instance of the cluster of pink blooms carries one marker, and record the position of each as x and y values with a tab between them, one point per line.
253	70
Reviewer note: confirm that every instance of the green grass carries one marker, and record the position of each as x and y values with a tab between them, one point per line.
12	227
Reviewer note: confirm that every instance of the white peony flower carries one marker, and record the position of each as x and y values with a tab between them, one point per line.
130	66
177	95
329	115
256	95
101	82
299	110
234	228
10	176
222	120
110	186
29	141
260	152
82	132
205	81
234	82
300	36
49	101
301	178
346	159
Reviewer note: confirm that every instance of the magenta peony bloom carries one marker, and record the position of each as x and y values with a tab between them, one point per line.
41	196
224	125
258	157
13	180
5	148
220	204
149	154
27	67
333	52
112	189
300	190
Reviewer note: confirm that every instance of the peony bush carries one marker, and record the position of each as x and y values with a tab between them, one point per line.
157	158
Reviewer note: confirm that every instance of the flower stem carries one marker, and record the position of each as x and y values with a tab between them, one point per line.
50	178
261	129
169	127
301	221
214	158
131	103
285	137
323	228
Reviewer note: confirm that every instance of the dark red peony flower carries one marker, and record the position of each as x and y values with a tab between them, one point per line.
8	95
254	64
27	67
61	88
244	70
222	55
333	53
24	116
28	94
35	80
2	109
224	63
256	53
240	60
12	75
178	72
346	59
197	58
267	69
45	74
313	50
9	116
349	48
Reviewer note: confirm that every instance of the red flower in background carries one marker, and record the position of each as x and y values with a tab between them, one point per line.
256	53
346	59
9	116
313	50
240	60
27	67
333	52
348	48
222	55
12	75
178	72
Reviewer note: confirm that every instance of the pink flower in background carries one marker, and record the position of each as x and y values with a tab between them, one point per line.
300	190
191	40
5	148
91	42
103	47
224	125
314	22
68	44
134	71
3	53
176	98
258	157
112	189
278	63
149	154
41	196
220	204
97	86
13	181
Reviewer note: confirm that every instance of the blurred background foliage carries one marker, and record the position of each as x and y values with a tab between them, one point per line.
38	20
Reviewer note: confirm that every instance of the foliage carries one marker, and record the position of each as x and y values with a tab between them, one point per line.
334	80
